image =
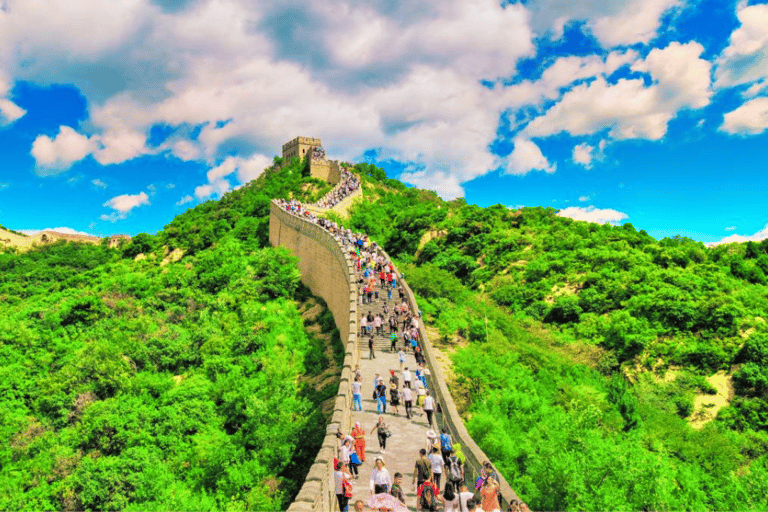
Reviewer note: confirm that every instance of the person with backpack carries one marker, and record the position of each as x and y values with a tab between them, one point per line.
422	471
455	469
445	445
428	497
343	486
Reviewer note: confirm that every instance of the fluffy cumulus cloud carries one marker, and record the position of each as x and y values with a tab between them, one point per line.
756	237
749	118
527	157
98	183
745	60
592	214
246	169
123	204
54	156
9	111
613	22
628	108
582	154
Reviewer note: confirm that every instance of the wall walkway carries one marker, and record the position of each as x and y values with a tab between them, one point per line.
330	273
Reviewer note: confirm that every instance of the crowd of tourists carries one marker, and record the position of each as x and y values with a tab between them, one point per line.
318	153
438	473
348	183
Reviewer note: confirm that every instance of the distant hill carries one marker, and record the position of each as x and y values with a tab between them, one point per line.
9	237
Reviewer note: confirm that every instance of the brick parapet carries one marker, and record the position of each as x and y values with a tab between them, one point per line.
330	274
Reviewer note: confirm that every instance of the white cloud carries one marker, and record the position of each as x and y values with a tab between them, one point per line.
628	108
731	228
613	22
582	154
123	204
446	186
527	157
4	185
745	60
592	214
62	230
757	237
749	118
584	199
54	156
9	111
247	169
184	200
98	183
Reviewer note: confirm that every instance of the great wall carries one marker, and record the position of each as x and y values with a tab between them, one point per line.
330	273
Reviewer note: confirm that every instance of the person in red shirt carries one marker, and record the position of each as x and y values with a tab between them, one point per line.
430	488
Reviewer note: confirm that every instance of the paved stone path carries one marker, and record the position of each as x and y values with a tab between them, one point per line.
408	436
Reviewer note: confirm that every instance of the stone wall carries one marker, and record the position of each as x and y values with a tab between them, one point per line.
342	208
328	170
298	147
330	273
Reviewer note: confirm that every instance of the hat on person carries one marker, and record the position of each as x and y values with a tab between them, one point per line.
391	372
431	434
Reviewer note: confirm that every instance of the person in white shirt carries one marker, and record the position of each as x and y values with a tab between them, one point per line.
380	479
407	377
437	465
408	401
464	497
429	407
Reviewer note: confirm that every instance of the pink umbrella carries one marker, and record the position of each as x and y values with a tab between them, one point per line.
384	500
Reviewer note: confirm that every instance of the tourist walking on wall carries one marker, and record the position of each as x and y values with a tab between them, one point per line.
490	494
446	445
422	471
381	432
371	355
341	479
359	435
437	465
381	397
429	408
357	394
408	401
380	482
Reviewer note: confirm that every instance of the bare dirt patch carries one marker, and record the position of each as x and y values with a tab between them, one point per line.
706	407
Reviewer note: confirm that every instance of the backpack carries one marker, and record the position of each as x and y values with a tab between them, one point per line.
427	498
445	442
454	469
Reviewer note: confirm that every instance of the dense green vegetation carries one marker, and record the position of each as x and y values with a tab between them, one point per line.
563	384
130	384
127	384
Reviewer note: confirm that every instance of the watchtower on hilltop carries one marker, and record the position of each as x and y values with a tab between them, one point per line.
298	147
319	166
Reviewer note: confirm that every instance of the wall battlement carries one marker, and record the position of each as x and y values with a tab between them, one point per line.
330	273
299	147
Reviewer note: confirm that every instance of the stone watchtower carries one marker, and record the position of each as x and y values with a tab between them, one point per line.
319	166
299	147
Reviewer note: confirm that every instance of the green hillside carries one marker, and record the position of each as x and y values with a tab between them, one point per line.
561	334
128	384
579	353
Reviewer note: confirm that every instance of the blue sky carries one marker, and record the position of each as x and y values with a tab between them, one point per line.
115	117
